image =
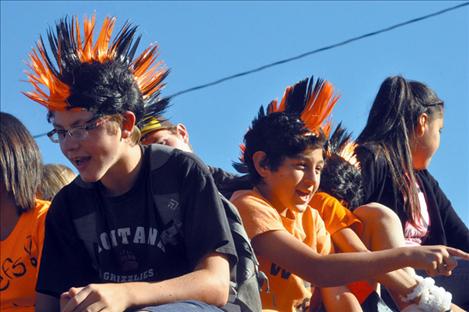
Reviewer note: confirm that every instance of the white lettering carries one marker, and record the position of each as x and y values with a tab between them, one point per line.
139	237
113	238
124	233
105	241
152	233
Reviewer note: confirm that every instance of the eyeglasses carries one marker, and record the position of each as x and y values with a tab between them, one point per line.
78	133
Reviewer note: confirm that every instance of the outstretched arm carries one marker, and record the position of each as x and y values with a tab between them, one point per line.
339	269
208	283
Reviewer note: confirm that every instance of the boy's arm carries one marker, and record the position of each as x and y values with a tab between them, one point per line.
339	269
208	283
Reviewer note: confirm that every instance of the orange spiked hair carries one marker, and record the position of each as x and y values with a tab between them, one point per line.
311	101
63	85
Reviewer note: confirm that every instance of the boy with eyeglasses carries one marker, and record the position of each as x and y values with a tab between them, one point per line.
106	248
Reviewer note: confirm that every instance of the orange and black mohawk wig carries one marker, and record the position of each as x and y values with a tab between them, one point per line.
100	75
309	102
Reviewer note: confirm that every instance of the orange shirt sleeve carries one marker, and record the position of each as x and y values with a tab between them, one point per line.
257	214
335	215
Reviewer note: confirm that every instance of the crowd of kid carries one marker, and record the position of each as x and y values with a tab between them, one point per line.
336	224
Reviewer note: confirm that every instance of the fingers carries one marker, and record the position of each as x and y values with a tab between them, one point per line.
67	296
80	300
458	253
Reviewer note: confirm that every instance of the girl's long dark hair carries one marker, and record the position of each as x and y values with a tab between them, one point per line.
391	124
20	162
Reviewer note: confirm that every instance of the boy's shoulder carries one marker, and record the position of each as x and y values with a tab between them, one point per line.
246	196
73	201
163	155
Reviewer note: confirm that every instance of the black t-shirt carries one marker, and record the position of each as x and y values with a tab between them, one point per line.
446	227
93	238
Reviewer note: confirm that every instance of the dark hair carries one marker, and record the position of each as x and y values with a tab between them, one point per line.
20	162
54	178
110	88
279	135
339	177
390	127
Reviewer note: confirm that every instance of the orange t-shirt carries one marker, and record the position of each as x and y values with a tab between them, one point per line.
335	215
287	292
19	260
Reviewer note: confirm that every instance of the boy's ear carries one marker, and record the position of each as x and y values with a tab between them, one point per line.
182	132
128	123
259	160
421	124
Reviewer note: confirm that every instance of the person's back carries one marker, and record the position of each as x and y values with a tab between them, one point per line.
394	154
105	244
22	215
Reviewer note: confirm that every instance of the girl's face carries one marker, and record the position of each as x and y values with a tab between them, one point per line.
426	139
293	184
98	152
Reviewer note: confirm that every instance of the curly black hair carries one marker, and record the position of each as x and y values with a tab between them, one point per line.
279	135
340	178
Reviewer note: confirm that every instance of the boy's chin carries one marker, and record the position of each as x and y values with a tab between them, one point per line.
88	178
300	208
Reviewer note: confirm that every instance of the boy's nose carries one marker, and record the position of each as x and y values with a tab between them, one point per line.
68	143
312	178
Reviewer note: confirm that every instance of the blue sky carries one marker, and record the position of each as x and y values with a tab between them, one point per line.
204	41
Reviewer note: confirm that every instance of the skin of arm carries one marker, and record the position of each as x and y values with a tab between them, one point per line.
398	282
339	299
339	269
209	282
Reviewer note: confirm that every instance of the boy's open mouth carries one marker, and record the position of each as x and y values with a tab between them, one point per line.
80	162
304	194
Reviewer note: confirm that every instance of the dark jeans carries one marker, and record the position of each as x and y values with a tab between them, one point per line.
190	306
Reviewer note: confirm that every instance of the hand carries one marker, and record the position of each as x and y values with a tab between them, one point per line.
95	297
437	260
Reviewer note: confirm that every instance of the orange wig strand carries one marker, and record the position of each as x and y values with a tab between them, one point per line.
50	86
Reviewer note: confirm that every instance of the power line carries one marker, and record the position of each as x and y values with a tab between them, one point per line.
329	47
294	58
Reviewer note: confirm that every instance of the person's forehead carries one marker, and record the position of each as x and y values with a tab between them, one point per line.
158	134
70	118
314	155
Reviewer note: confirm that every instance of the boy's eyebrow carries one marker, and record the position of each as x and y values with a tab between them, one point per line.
78	122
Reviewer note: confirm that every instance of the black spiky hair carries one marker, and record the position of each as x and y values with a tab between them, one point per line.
341	177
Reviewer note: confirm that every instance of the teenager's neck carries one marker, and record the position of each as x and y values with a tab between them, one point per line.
8	216
123	174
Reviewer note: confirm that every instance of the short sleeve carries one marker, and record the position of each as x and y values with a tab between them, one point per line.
205	222
258	215
333	213
42	208
65	262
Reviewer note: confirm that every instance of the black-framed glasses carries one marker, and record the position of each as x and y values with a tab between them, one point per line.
79	132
